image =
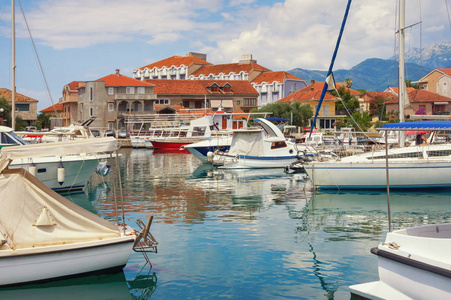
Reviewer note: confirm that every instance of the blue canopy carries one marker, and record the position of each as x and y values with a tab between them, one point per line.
276	119
418	125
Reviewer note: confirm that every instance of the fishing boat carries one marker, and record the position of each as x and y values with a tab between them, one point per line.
60	173
257	147
44	236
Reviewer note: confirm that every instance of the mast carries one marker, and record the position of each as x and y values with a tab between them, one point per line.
13	89
401	79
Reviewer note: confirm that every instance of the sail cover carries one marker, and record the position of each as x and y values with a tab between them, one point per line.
32	215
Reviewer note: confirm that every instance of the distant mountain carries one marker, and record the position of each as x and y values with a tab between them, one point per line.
437	55
373	74
376	74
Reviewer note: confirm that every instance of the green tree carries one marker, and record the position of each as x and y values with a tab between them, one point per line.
301	113
20	124
348	104
44	120
409	84
6	114
377	106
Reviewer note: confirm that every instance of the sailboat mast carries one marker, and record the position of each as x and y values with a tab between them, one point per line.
13	89
401	58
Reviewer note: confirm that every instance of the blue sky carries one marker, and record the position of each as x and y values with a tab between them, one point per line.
89	39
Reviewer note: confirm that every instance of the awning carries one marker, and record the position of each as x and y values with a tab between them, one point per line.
418	125
225	103
440	103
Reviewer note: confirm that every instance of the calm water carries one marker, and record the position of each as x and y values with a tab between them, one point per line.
240	235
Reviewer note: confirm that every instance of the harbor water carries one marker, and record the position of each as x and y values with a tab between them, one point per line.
244	234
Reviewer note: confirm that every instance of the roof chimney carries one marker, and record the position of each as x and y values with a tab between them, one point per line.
312	81
117	72
246	59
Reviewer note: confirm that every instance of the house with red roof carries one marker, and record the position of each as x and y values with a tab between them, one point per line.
112	99
174	67
206	94
55	110
431	103
69	101
437	81
26	107
311	95
273	86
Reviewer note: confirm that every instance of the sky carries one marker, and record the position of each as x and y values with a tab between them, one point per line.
88	39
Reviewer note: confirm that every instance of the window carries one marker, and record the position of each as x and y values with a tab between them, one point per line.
250	102
325	110
141	90
110	91
130	90
279	144
162	102
22	107
91	112
110	126
110	106
185	103
214	88
227	88
90	94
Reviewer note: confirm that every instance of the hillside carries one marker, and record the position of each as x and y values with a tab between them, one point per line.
373	74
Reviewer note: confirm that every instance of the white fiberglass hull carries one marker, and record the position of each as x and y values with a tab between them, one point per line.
414	173
418	267
56	262
252	162
78	170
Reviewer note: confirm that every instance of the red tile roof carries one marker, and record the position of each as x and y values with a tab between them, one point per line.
270	77
58	107
199	87
446	71
384	95
228	68
76	84
313	92
122	80
420	96
18	97
176	61
396	89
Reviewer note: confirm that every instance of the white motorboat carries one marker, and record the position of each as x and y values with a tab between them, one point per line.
262	147
77	168
43	235
419	166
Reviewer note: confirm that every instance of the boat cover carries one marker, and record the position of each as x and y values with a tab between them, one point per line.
418	125
247	142
32	215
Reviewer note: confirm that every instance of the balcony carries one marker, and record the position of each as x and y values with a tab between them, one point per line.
135	97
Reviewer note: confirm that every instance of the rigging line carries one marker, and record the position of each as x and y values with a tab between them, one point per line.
447	11
348	110
37	56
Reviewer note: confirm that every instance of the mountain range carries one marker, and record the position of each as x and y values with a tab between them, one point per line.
375	74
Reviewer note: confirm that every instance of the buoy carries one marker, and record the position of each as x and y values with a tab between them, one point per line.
210	154
61	173
32	169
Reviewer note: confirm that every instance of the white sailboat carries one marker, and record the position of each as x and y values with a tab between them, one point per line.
43	235
424	166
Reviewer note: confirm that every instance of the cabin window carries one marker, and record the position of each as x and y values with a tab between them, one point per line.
199	131
277	145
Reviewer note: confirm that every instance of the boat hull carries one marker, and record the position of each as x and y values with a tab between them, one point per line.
407	174
44	264
78	170
171	145
413	263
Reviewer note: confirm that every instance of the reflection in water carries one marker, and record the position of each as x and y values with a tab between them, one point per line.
250	234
